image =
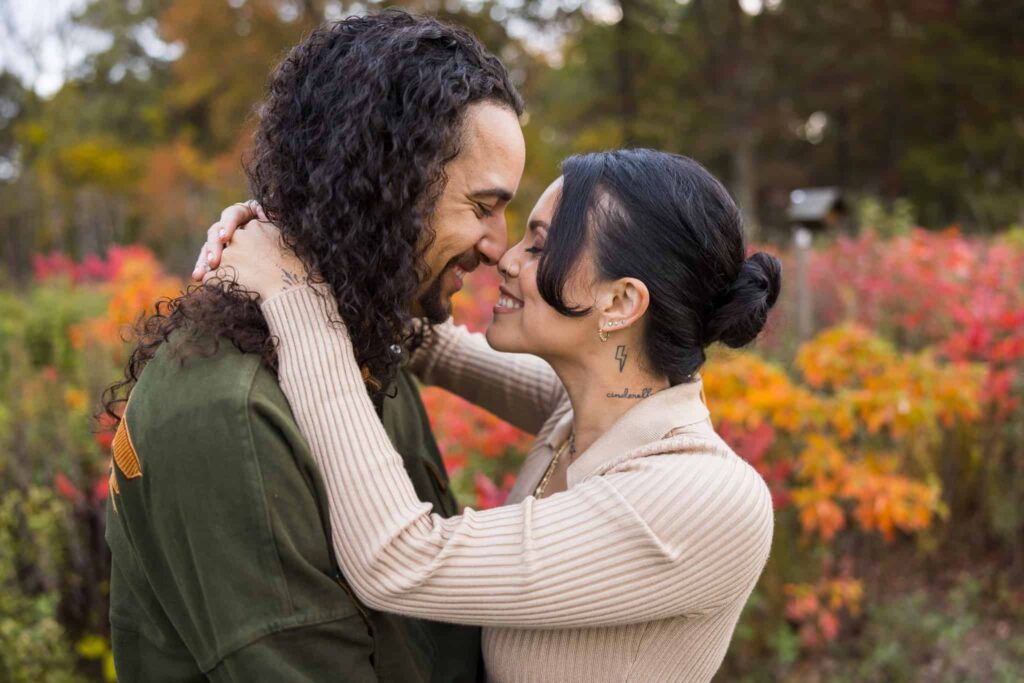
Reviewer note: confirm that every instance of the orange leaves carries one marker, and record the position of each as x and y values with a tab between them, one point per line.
872	384
962	295
746	390
817	607
846	447
134	283
75	399
818	512
464	431
864	487
886	503
842	356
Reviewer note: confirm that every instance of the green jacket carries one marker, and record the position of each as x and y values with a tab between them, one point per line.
222	566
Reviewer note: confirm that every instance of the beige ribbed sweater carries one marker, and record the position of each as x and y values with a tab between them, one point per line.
638	572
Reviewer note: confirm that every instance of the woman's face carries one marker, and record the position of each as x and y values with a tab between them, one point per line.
523	321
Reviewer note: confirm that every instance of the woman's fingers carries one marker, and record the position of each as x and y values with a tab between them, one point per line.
260	213
220	232
202	267
219	235
260	262
235	217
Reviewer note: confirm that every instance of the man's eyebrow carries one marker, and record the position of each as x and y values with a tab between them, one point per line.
499	193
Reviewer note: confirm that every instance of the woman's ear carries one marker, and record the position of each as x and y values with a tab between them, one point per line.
622	303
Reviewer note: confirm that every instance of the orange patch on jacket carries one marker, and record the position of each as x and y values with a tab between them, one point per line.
125	458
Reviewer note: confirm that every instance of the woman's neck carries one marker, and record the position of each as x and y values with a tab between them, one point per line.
602	388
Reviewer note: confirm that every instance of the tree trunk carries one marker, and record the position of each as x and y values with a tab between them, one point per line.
626	65
742	149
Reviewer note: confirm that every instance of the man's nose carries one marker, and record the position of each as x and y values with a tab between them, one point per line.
493	245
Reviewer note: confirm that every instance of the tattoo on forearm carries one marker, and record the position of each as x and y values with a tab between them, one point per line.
620	355
291	279
644	393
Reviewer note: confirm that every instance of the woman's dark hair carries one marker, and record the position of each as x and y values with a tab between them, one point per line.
349	155
665	220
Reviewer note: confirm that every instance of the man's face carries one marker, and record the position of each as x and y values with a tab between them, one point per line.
469	219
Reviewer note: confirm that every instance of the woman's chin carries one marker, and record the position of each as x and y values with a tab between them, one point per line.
499	338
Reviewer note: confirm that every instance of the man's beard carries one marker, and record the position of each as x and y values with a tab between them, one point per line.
436	307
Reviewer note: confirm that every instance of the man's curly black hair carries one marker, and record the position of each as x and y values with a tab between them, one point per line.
358	124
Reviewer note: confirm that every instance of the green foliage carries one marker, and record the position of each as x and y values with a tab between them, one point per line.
52	576
961	634
951	638
898	220
33	643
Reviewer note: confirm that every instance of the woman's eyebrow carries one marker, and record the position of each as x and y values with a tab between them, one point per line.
535	223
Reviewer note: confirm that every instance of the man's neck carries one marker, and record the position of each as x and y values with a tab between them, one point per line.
602	388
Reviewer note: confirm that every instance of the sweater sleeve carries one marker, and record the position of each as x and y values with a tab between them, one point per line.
653	541
520	388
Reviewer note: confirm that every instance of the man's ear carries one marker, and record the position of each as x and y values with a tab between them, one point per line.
622	303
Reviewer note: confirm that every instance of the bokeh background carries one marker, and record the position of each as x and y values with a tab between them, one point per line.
883	404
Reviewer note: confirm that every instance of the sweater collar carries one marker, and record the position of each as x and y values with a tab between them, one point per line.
650	420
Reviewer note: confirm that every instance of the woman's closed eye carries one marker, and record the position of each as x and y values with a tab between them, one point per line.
533	250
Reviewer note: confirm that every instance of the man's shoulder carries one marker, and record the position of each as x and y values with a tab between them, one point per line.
199	370
192	402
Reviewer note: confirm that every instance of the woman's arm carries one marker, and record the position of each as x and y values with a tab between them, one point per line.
660	540
519	388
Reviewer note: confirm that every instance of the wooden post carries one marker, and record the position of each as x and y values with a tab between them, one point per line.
804	295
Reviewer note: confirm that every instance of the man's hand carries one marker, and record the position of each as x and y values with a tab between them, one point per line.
259	261
220	233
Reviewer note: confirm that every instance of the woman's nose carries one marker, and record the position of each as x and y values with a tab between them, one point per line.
508	266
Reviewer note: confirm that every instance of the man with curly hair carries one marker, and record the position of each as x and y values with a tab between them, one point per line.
386	153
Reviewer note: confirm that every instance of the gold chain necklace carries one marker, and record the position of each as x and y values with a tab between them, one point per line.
569	443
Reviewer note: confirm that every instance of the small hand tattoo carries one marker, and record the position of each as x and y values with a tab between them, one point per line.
644	393
620	355
291	279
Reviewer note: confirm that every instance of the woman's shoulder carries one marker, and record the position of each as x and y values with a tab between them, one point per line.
700	502
695	462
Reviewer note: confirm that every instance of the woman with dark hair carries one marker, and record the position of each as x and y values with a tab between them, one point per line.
634	534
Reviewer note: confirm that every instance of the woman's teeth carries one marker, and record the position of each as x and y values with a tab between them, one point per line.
508	302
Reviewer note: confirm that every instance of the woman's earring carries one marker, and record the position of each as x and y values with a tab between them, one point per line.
603	335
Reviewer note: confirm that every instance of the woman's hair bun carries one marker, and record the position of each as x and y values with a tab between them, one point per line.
741	312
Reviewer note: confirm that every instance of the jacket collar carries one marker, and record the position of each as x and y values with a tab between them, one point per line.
650	420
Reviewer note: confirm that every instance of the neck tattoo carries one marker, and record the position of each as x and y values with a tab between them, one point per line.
620	355
292	279
626	393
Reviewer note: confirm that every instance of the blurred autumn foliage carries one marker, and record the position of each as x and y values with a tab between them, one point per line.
60	345
142	140
878	435
891	435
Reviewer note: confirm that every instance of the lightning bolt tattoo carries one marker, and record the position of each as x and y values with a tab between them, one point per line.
620	355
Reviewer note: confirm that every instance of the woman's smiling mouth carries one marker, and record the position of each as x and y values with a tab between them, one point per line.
506	302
